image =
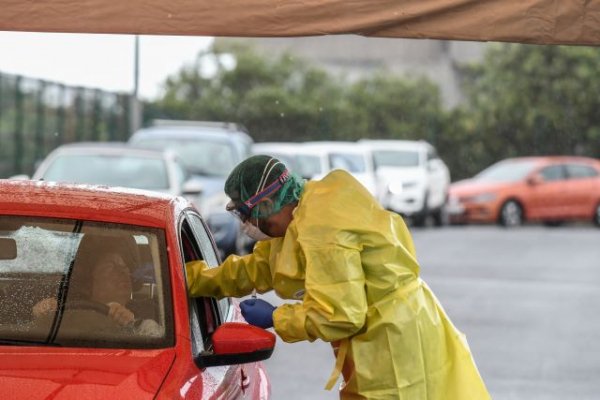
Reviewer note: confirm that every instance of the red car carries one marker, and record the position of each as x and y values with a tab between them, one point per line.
548	189
94	301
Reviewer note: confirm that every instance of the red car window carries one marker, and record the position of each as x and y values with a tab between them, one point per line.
68	274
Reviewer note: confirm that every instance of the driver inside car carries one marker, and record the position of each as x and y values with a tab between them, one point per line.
101	281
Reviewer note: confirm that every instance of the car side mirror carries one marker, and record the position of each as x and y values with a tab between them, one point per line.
192	188
8	249
534	180
237	343
432	165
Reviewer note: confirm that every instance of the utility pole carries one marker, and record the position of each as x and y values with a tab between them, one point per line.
135	115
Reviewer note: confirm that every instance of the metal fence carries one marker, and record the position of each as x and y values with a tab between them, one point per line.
36	116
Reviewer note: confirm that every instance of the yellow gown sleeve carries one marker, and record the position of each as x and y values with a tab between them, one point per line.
334	304
237	276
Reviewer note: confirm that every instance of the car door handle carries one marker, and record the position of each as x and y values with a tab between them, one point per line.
245	381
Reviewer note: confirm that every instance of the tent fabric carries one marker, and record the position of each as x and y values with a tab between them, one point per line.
526	21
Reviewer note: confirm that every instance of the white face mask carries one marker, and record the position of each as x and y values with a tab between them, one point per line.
253	231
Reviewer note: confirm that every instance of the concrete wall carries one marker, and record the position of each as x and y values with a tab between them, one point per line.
355	57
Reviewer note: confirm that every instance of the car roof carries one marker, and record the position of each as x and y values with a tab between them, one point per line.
90	202
335	146
192	132
108	148
390	144
553	159
283	148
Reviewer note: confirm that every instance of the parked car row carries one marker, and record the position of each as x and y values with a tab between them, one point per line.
189	158
407	177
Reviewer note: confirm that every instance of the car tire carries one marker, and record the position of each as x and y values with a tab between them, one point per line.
511	214
420	219
553	223
439	217
597	215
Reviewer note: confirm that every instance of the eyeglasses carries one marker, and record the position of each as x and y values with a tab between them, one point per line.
238	212
244	210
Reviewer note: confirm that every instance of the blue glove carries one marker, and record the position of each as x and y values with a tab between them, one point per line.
258	312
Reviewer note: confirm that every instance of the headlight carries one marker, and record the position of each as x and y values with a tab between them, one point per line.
399	187
482	198
395	187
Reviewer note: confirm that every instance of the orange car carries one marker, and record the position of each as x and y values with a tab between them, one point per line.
548	189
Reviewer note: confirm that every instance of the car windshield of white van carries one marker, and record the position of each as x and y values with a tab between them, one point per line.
395	158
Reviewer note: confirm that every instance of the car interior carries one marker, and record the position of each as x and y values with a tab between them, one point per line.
71	276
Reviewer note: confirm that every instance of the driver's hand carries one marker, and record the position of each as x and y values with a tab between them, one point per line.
120	314
43	307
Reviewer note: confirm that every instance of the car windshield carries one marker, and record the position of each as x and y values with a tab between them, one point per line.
287	159
56	284
395	158
511	171
354	163
200	156
308	166
111	170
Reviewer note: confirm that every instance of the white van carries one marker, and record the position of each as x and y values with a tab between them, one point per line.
313	160
411	179
349	156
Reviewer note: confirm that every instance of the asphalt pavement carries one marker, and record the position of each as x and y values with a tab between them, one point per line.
527	298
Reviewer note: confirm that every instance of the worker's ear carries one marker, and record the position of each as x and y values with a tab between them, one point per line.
265	206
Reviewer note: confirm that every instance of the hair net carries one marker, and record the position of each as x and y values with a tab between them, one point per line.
255	174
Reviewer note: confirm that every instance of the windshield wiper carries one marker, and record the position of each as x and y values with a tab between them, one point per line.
17	342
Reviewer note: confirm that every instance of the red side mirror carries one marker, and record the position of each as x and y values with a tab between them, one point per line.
237	343
237	337
534	180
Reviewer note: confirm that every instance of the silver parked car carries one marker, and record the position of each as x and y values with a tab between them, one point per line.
209	151
114	164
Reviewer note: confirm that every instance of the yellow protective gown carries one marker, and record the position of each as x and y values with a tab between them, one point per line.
353	265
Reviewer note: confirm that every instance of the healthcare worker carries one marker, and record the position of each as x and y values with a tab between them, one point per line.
353	265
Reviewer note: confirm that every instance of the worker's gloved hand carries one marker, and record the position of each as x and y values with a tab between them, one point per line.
258	312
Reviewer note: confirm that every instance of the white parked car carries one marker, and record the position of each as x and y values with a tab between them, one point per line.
313	160
411	178
349	156
285	152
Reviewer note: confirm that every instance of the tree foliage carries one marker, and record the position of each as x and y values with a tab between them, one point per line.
533	100
287	99
520	100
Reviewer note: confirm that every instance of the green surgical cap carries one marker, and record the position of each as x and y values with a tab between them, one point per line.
262	170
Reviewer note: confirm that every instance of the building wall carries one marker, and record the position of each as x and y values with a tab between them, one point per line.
355	57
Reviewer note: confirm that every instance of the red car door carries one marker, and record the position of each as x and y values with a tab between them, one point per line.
233	381
223	382
548	193
583	183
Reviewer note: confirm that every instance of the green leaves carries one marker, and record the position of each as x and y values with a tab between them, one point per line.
520	100
287	99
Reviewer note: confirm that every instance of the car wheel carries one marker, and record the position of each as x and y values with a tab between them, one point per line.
511	214
439	217
553	223
597	215
420	219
